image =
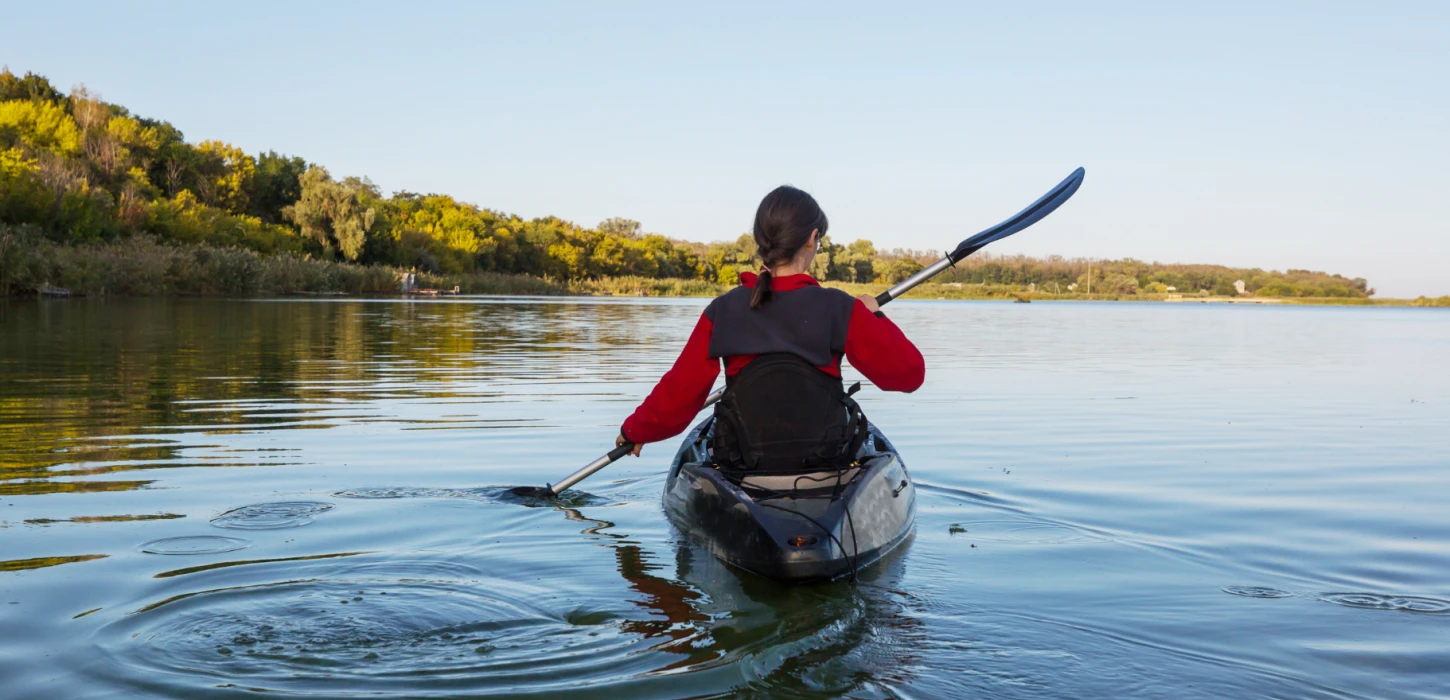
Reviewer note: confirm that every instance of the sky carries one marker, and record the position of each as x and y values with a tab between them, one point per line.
1306	135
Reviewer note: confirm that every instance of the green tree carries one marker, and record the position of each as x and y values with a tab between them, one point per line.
857	262
276	184
330	213
893	271
31	87
825	266
623	228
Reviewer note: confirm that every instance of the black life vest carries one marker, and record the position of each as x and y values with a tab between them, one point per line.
781	415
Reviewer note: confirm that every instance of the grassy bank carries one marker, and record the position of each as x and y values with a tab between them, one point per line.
143	267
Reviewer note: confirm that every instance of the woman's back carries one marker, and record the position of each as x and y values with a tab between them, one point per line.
781	312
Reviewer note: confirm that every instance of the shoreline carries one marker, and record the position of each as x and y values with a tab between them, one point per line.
146	268
601	289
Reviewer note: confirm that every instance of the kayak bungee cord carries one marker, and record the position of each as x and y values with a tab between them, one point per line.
855	547
836	493
1035	212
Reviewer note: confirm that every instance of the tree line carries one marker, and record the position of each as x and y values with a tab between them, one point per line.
81	170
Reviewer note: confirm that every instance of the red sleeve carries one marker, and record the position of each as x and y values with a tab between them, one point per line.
680	394
876	347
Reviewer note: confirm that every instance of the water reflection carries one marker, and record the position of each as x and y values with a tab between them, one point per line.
104	519
828	639
45	562
102	387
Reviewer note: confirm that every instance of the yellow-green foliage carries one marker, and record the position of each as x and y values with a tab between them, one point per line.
1435	301
22	195
38	126
226	174
183	219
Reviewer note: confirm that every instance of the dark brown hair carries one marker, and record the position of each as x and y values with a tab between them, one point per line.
783	223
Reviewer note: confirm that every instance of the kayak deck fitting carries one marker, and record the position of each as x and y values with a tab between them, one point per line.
819	526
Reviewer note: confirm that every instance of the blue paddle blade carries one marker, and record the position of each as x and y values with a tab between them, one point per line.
1034	213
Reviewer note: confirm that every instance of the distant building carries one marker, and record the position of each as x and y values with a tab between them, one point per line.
1171	289
1239	286
1070	287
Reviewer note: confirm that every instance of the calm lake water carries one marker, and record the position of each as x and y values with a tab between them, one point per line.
1116	500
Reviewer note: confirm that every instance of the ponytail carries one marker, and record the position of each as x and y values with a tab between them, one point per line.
784	223
762	289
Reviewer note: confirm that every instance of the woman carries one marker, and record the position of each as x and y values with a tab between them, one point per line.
781	337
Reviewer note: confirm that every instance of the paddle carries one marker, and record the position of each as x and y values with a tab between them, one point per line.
1032	214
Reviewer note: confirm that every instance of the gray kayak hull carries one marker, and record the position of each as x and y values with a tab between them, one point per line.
808	537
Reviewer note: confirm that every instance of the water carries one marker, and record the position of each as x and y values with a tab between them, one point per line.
307	498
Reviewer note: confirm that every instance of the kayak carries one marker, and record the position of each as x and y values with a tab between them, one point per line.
796	527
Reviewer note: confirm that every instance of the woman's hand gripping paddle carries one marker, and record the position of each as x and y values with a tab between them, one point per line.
1034	213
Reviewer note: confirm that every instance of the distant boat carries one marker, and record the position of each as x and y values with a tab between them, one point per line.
48	291
1021	300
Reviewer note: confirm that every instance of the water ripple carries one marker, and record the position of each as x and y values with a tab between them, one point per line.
1020	531
1256	592
404	635
271	516
200	544
1379	601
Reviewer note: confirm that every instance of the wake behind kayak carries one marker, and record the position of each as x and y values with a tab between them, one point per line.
797	527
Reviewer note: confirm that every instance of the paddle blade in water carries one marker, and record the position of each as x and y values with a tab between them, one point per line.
531	492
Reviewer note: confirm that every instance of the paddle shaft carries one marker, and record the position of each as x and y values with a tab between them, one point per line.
614	454
1044	205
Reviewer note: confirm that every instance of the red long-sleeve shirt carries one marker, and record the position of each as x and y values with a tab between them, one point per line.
874	346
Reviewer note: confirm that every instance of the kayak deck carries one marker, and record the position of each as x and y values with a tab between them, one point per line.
793	534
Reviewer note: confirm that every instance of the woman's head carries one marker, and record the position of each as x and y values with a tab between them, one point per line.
787	221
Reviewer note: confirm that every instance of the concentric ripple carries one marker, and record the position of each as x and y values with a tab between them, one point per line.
1379	601
402	636
1256	592
271	516
201	544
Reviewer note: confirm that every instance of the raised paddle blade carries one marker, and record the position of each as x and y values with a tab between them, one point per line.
1034	213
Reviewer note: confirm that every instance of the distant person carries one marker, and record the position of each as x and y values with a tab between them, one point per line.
781	337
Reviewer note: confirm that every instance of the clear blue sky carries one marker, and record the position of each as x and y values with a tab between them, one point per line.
1272	134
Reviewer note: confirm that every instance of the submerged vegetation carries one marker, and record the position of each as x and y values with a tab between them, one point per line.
100	201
